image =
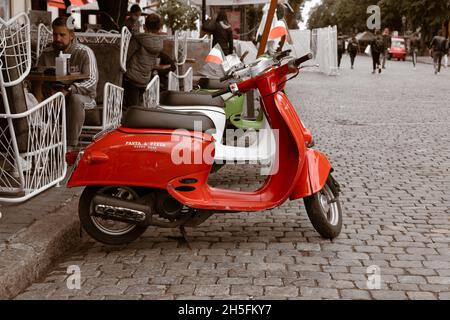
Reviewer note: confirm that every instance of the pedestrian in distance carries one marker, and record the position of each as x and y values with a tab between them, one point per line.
221	31
387	42
414	44
340	48
376	48
446	54
438	47
352	49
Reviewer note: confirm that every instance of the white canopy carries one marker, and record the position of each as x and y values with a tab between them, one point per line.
229	2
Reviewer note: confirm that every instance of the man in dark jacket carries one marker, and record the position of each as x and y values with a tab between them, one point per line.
352	49
143	53
340	48
387	42
376	47
438	47
414	44
221	31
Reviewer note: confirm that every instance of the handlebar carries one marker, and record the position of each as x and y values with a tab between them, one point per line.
227	77
299	61
292	65
221	92
282	54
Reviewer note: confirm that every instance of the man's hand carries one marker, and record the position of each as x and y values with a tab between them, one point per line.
65	92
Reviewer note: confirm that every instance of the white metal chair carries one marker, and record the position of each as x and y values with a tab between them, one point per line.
32	138
151	94
187	78
44	38
108	113
180	49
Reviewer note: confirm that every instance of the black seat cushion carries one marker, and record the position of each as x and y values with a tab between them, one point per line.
144	118
208	83
179	98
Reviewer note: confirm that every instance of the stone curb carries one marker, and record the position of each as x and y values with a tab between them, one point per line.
30	253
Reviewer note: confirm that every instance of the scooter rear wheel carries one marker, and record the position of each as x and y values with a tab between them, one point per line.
107	231
324	210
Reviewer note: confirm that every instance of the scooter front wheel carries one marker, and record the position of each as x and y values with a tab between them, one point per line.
103	230
324	210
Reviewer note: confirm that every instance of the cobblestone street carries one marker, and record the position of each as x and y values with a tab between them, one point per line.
388	138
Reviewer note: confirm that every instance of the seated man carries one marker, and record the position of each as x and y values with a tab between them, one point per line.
79	95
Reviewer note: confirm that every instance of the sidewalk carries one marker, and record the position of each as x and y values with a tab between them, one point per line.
34	234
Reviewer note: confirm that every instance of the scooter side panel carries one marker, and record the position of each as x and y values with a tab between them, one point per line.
146	158
278	186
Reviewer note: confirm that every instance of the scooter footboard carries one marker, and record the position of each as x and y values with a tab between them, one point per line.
314	175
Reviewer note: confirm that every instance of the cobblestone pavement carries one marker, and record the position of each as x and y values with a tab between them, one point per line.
15	217
388	137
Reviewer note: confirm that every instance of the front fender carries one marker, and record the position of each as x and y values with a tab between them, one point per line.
314	175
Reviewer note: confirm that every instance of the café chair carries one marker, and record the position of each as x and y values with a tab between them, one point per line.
187	81
110	49
151	94
32	136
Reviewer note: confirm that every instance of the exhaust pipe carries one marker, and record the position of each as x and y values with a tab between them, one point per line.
121	210
115	209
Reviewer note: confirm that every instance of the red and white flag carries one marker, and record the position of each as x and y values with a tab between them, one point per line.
279	29
215	55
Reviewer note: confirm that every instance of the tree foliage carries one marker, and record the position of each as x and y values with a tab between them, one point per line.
350	15
178	15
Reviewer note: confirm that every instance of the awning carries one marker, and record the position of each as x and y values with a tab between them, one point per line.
60	3
229	2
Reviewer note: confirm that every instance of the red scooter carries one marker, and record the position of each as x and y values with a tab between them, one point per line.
148	172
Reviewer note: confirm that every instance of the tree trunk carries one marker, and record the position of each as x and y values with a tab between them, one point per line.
291	17
114	13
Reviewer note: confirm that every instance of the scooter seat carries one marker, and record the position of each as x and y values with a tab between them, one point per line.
215	84
179	98
144	118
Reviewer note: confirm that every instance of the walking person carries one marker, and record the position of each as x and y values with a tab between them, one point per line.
352	49
340	48
414	45
387	42
143	53
438	47
376	48
221	31
446	53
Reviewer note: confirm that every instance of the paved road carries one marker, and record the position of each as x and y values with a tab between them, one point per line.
388	137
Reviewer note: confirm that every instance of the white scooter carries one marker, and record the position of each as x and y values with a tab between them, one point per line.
262	150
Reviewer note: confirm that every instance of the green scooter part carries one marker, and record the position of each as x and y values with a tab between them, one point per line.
234	108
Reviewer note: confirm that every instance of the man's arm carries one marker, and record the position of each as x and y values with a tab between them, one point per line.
432	43
88	67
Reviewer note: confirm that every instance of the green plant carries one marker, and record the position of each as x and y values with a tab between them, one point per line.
178	15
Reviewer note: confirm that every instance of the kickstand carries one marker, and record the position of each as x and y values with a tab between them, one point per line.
183	238
184	234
